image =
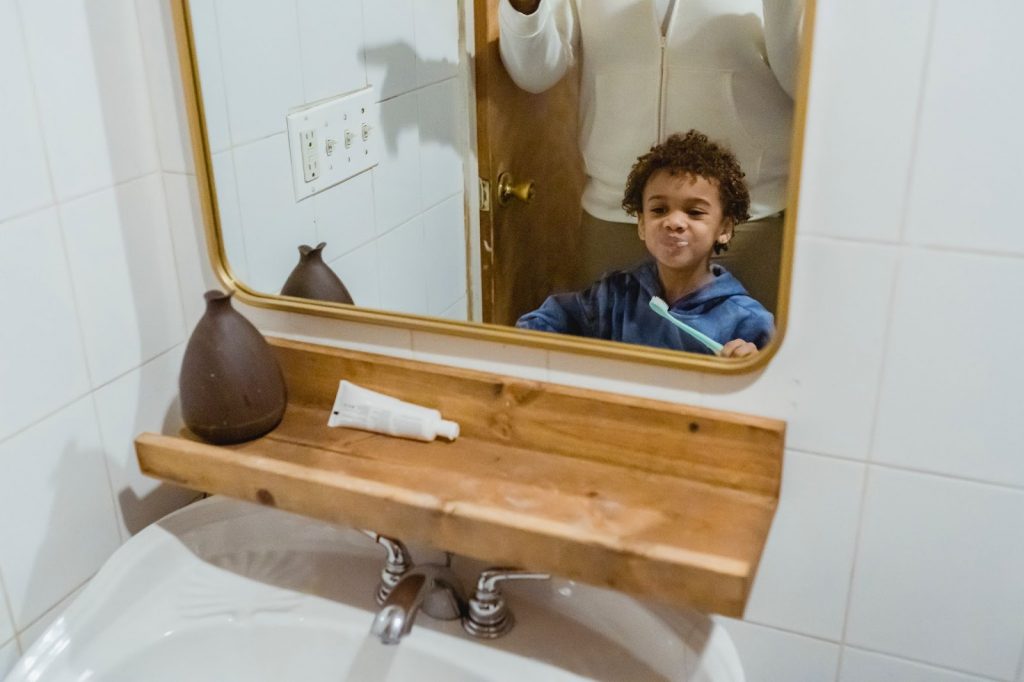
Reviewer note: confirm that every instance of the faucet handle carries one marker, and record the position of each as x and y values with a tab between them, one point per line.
395	566
488	613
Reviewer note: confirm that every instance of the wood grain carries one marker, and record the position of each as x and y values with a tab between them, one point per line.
607	489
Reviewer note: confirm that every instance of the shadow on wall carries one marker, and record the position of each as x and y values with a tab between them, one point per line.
393	58
141	277
138	511
55	575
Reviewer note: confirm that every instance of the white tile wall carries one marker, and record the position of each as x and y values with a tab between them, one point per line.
864	105
803	581
866	666
391	341
160	53
122	267
339	47
396	181
89	278
487	357
390	46
444	254
458	311
144	400
971	154
90	82
6	622
437	40
273	223
646	381
770	655
206	32
964	420
331	37
937	576
24	175
56	483
229	212
358	271
42	360
401	268
344	216
8	656
194	272
34	631
441	142
262	66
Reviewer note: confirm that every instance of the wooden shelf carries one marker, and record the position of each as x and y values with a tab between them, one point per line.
652	498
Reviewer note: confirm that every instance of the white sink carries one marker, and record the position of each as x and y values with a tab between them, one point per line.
225	590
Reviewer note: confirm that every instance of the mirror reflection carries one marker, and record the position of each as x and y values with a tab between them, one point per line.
631	155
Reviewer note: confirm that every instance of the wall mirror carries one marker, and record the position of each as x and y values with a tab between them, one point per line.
452	198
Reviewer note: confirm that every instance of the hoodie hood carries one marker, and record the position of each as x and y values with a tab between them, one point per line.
617	308
723	286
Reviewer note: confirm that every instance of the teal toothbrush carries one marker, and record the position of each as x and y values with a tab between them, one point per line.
659	306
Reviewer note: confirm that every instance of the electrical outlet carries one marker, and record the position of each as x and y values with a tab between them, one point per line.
333	140
310	163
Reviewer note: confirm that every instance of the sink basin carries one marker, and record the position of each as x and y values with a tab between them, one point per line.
227	590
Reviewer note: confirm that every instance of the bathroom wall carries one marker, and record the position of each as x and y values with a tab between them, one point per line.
394	234
101	274
898	548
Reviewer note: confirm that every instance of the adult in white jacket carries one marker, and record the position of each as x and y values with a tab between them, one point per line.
650	68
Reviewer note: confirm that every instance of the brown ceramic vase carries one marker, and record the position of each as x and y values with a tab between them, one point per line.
231	386
313	278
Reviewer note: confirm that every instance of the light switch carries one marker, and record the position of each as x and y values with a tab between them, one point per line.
314	132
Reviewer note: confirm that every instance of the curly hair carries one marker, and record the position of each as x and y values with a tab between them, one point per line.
691	154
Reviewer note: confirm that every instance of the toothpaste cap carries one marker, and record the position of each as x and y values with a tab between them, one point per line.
447	429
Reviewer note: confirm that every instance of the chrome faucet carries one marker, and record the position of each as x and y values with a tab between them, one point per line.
405	590
488	615
433	588
396	565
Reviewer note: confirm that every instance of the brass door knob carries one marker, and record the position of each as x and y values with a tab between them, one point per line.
509	189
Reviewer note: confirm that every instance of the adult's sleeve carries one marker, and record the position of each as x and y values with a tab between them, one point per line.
537	49
783	31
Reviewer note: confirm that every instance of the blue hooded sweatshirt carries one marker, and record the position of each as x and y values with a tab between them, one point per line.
616	308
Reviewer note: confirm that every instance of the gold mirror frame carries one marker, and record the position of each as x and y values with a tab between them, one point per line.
481	331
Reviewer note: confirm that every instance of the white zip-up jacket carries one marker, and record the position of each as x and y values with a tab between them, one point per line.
710	71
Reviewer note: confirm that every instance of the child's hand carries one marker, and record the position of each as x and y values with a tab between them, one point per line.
738	348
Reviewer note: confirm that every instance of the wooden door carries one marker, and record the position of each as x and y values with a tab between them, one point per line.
528	250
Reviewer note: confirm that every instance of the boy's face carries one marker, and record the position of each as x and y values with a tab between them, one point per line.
682	220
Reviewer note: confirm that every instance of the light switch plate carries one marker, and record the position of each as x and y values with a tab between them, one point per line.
345	130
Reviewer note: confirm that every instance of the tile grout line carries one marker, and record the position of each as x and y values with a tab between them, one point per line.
841	645
1011	487
866	476
147	69
917	661
81	396
10	615
45	613
918	117
939	248
104	446
61	233
298	35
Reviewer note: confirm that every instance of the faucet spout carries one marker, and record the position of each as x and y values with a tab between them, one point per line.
434	589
